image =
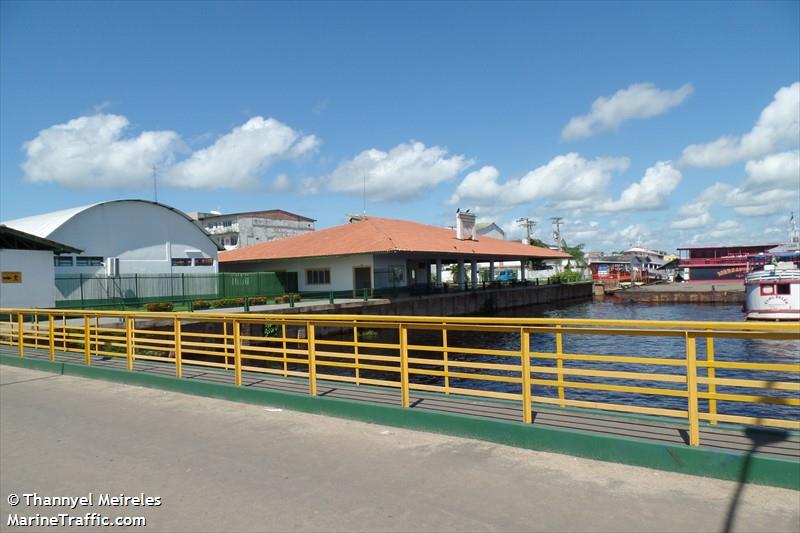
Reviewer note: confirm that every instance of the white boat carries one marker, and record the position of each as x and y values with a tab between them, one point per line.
773	293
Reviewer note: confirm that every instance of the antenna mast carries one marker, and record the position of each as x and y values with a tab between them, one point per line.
557	221
155	185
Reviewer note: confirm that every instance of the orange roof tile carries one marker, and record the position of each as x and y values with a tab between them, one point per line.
384	235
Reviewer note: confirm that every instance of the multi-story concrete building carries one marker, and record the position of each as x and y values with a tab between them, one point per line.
237	230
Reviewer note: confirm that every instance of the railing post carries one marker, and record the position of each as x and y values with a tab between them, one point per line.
51	332
178	357
560	365
445	359
129	341
237	354
312	360
20	336
711	374
87	339
355	353
525	344
404	393
691	382
285	354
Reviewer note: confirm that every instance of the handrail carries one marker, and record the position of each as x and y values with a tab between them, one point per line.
434	355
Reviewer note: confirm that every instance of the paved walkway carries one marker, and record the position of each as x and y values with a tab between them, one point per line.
222	466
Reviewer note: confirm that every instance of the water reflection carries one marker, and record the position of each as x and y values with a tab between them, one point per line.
671	348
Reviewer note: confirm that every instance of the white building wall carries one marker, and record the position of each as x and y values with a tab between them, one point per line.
145	237
341	268
36	289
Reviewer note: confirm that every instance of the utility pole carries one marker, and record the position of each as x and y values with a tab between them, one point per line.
529	224
155	185
557	221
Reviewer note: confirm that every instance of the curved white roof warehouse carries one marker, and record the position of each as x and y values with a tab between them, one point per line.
146	238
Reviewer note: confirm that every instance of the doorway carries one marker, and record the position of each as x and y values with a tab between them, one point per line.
362	279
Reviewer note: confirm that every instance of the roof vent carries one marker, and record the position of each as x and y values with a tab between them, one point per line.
465	226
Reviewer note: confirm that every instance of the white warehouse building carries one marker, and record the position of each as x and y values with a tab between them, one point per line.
125	237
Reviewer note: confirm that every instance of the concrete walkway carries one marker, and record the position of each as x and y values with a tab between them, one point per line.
221	466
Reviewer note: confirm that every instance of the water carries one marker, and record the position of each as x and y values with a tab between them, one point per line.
740	350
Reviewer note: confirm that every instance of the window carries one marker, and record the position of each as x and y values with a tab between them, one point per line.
203	261
181	262
784	288
85	261
234	240
766	290
62	260
318	277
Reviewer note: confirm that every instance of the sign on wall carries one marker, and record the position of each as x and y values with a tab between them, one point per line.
12	277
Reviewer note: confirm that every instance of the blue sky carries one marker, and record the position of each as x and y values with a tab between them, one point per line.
664	123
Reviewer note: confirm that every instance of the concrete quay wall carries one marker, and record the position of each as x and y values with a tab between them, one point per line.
462	303
697	293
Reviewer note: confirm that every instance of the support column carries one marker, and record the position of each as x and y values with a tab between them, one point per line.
522	269
439	272
461	273
474	276
491	271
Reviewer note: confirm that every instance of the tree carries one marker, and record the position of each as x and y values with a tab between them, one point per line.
576	252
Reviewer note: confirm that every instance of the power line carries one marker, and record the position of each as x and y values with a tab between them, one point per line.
529	224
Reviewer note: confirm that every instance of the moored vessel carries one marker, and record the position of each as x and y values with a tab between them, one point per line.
773	293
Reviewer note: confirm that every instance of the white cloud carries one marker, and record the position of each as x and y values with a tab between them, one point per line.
694	215
399	174
565	179
636	233
238	158
640	100
281	183
724	229
90	151
650	193
776	170
778	126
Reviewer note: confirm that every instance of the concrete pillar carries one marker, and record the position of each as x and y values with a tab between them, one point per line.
522	269
461	273
491	270
439	272
474	276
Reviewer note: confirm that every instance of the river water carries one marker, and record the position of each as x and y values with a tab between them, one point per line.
743	350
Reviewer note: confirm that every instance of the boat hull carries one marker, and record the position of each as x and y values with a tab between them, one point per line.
773	295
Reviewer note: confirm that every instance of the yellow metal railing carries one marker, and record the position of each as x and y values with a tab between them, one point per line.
497	358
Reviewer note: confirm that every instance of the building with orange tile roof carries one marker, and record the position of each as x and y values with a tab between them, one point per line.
376	252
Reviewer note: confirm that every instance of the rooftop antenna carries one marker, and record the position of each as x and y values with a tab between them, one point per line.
364	210
529	224
557	221
155	185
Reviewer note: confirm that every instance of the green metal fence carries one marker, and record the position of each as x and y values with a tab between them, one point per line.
81	290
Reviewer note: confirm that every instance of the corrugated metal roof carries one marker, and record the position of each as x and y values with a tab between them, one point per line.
14	239
384	235
46	224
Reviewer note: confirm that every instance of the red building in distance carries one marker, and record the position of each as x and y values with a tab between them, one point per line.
718	263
